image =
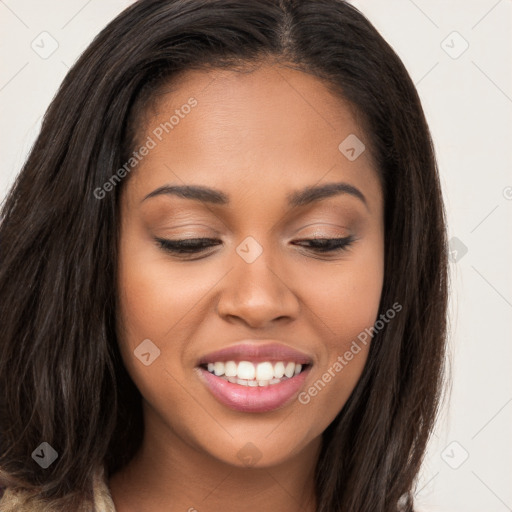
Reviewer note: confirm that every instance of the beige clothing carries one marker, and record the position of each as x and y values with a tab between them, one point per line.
16	501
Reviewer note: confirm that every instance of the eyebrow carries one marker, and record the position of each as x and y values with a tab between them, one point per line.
303	197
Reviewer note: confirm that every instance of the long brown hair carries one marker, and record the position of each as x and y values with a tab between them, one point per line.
61	374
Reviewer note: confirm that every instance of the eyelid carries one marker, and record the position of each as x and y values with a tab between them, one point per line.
190	246
320	226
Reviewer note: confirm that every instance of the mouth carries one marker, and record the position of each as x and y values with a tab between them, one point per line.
255	378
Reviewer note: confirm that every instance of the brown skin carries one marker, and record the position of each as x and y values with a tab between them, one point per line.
257	137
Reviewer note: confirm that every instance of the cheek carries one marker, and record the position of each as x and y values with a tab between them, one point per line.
161	302
148	308
154	301
346	294
346	303
154	296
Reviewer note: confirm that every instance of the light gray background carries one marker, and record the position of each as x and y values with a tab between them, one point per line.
467	97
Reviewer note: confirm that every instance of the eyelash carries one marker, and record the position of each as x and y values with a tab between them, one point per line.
196	245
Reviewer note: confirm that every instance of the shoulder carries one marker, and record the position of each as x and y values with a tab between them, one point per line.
19	500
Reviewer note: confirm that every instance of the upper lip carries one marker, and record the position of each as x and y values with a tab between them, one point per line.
256	351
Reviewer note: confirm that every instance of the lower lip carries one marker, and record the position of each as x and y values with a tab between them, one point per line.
254	398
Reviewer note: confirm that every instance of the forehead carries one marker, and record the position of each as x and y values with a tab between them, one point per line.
272	128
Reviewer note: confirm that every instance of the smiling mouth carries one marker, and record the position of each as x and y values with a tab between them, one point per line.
255	376
247	373
254	387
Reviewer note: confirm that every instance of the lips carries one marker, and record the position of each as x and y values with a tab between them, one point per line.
244	390
256	353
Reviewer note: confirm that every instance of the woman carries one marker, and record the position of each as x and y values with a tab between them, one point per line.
224	279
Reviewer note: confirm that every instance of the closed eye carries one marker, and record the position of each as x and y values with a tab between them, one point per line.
198	245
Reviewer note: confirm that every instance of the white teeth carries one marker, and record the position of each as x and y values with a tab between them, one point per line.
246	370
218	368
265	371
289	371
230	369
246	373
278	370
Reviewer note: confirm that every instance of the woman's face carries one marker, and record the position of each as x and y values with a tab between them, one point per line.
262	291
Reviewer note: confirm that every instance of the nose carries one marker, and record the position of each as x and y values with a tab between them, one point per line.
258	294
